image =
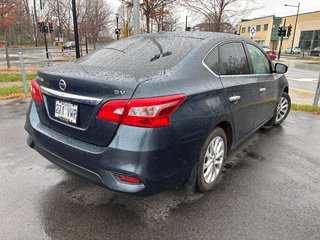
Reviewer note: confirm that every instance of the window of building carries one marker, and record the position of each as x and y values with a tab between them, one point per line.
258	28
233	60
248	29
212	60
265	27
309	39
259	61
243	30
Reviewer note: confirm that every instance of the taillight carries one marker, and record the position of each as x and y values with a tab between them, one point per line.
35	91
146	112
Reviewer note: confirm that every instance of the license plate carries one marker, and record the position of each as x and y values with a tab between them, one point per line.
66	111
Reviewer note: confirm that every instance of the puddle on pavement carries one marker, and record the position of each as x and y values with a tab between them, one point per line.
73	196
73	200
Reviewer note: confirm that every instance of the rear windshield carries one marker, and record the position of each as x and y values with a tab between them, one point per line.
144	54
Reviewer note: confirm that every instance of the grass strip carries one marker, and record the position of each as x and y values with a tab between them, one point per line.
305	108
13	92
14	77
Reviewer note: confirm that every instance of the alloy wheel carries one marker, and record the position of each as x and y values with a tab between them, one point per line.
212	163
282	109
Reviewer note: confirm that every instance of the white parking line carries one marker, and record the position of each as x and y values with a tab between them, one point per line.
303	79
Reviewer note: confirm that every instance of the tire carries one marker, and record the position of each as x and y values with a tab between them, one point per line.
282	110
211	165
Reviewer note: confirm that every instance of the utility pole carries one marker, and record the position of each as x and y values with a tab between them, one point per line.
75	26
295	25
34	29
136	20
59	21
35	22
186	23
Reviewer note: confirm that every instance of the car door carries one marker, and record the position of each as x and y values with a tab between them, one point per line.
266	84
241	89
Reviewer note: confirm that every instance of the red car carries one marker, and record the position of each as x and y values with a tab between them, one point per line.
271	53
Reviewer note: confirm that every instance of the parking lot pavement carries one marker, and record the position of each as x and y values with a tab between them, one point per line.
271	190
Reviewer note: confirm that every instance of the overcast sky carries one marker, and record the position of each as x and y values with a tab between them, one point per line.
276	7
266	8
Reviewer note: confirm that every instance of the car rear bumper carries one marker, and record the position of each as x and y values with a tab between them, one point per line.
157	164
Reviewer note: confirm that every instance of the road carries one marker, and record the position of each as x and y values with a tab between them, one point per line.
270	190
36	57
302	75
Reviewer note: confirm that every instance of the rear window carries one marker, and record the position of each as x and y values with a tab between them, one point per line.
146	54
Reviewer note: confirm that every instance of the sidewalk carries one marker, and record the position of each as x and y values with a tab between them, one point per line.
299	96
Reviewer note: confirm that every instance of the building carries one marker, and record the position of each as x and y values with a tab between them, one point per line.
264	30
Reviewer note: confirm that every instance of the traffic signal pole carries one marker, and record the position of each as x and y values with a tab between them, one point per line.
282	32
46	44
44	35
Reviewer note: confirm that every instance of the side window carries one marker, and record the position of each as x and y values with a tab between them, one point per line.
259	61
212	60
233	60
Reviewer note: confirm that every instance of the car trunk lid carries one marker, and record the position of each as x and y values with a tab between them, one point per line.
86	89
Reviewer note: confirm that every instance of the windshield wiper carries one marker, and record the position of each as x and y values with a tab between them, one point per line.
157	56
114	49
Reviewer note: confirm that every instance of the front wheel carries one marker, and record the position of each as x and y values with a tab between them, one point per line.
211	162
282	111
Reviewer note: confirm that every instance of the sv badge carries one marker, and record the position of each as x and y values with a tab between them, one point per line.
119	92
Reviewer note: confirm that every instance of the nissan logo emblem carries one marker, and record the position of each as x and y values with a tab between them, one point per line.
62	85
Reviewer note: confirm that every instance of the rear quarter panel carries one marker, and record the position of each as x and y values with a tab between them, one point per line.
203	108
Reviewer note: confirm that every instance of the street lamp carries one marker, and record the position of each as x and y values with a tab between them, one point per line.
117	30
295	26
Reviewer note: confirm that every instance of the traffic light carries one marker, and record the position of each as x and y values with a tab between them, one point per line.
117	31
40	26
289	30
45	29
50	27
284	31
280	31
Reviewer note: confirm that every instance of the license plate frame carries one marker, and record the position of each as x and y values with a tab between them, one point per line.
66	111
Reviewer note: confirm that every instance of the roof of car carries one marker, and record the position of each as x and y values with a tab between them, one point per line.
195	34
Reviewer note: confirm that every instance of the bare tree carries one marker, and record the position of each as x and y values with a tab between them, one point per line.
165	18
218	14
8	16
153	9
95	19
126	14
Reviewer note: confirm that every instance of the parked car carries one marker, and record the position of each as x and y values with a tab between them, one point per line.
315	52
156	111
69	45
294	50
270	53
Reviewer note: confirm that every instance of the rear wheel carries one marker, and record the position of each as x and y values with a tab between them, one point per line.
211	162
282	111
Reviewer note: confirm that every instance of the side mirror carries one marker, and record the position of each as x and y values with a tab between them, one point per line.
280	68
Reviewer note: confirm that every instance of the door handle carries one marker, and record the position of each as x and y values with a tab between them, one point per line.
262	90
234	99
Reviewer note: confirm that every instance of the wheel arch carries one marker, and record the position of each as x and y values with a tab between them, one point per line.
227	128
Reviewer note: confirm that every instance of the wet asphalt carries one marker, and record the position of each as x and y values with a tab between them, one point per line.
270	190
